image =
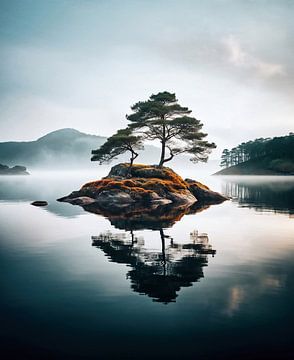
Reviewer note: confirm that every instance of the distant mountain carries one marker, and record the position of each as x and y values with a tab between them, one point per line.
58	149
62	149
15	170
71	149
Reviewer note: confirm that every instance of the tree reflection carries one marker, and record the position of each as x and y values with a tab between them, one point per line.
159	274
271	195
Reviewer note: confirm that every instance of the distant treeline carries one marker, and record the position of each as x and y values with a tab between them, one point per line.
274	148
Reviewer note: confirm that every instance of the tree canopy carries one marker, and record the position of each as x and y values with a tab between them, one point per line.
162	118
159	118
276	148
118	144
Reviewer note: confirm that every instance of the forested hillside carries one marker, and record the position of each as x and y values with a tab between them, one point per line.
263	156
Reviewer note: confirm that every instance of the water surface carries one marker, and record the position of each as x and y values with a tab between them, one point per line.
216	284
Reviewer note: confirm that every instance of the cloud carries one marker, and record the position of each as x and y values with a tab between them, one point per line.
84	65
243	59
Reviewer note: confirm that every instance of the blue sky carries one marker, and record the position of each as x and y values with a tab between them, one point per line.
81	64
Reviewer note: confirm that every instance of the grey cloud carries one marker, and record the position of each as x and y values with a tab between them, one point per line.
83	63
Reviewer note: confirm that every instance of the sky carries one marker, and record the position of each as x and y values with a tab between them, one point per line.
83	63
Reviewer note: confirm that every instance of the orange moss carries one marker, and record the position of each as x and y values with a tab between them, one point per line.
162	180
200	185
129	183
154	183
175	178
97	183
139	186
138	165
125	185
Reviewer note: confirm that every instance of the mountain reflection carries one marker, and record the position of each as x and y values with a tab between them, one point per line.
159	274
271	195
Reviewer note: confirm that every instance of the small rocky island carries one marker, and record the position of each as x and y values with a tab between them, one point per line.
15	170
142	186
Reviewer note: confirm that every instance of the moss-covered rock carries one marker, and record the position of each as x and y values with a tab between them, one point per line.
142	185
203	194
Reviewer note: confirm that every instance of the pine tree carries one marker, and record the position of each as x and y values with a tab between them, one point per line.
118	144
162	118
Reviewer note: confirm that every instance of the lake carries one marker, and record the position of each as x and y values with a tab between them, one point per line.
217	284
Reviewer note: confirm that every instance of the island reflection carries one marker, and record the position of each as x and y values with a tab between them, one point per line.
159	274
142	218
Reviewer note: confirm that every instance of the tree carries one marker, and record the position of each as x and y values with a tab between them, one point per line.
273	148
162	118
225	159
118	144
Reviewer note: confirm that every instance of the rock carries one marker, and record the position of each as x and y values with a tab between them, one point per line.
184	197
203	194
142	186
82	201
39	203
18	170
123	171
3	168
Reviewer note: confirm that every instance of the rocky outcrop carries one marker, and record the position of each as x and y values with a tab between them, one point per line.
141	186
203	194
39	203
15	170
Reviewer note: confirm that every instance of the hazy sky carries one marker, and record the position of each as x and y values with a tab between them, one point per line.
82	63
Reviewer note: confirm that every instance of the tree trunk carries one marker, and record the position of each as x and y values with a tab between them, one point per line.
167	159
133	157
162	147
162	236
162	154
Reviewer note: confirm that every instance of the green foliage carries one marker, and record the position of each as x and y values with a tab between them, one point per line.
118	144
276	148
225	158
162	118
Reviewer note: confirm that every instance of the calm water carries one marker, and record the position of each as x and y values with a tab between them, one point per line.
215	284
